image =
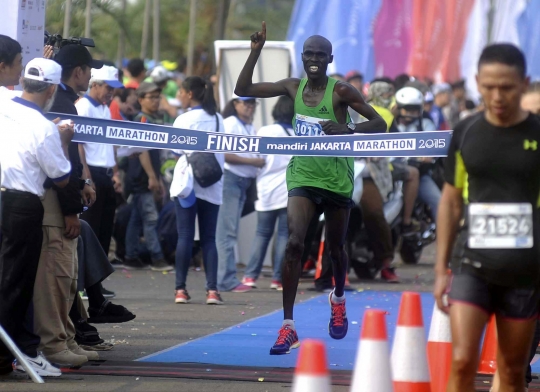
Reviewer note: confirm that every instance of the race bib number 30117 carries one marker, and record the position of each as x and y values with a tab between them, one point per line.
308	126
500	226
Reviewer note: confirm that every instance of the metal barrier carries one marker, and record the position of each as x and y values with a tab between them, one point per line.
20	357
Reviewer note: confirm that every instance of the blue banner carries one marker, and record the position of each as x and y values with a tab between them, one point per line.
134	134
529	38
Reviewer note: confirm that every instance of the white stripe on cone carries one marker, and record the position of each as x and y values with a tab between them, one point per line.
439	349
308	383
439	330
409	356
372	371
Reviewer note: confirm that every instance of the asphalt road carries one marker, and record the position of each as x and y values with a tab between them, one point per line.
160	324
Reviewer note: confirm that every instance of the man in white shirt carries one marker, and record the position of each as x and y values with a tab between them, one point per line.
99	160
32	148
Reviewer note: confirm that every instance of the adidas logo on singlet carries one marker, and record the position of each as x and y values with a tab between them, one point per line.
323	110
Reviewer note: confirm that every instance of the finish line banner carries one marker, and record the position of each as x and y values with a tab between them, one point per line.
135	134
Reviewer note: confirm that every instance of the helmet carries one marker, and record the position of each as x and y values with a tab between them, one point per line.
409	96
412	100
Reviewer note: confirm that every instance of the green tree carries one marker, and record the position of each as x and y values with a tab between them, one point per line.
244	17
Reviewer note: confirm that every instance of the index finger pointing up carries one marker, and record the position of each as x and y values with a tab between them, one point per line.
264	29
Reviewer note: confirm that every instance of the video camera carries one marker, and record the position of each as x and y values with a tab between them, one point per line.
57	42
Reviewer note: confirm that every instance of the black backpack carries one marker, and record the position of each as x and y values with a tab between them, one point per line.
206	169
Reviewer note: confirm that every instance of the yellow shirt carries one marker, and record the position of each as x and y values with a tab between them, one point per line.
388	117
386	114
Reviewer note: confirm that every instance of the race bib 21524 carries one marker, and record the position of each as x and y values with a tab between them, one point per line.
500	226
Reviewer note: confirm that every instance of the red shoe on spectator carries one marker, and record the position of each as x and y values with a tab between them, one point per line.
213	298
182	297
249	282
276	285
389	275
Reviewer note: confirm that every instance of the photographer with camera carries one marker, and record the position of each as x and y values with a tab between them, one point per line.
55	42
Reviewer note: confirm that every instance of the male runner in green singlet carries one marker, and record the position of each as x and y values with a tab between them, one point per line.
314	183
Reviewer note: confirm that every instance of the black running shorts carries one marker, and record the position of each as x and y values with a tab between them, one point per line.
509	302
322	198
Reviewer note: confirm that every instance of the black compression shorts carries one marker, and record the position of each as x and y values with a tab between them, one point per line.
509	302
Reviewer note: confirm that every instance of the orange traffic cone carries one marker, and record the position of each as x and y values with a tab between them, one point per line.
409	356
372	370
439	350
311	373
488	358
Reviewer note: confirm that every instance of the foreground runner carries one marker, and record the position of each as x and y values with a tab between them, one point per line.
314	183
492	181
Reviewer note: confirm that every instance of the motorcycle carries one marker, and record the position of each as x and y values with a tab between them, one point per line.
410	246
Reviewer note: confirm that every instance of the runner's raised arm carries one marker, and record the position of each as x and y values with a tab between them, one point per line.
245	86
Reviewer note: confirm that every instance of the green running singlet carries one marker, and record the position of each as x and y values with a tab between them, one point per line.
335	174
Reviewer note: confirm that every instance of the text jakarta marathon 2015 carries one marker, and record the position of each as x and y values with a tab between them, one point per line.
145	135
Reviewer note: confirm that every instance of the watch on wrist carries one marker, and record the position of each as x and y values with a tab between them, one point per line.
88	182
351	126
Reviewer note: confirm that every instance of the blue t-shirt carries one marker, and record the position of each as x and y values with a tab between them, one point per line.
437	116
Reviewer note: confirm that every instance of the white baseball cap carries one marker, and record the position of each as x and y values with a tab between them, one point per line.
107	74
43	70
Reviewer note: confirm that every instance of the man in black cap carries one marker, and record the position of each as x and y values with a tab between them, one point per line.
76	62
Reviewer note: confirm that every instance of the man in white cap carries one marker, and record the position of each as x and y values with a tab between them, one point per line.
32	148
99	160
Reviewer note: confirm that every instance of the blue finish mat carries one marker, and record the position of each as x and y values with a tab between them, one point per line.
248	344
